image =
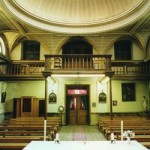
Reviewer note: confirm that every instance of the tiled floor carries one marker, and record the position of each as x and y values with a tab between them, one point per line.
80	133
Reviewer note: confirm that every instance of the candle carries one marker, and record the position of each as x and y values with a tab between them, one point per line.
121	130
44	130
57	137
112	137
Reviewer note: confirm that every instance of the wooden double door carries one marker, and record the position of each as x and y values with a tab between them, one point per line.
78	112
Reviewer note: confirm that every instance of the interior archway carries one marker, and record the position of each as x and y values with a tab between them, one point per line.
77	45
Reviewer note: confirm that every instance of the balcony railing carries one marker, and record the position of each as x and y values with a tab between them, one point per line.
22	68
78	63
139	68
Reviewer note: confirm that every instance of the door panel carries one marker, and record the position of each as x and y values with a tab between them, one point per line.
73	117
26	107
82	117
78	113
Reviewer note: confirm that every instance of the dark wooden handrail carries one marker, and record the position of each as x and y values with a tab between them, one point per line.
78	62
81	63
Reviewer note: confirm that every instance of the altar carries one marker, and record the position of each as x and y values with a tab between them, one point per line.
84	145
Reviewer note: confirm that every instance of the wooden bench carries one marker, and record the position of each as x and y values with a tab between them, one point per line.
54	122
19	139
58	119
17	133
116	129
12	146
146	144
106	123
22	133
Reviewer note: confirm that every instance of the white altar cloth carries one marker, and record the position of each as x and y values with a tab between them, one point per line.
84	145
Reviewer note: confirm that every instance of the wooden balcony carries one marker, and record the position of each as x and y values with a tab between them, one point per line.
77	64
68	64
22	70
131	70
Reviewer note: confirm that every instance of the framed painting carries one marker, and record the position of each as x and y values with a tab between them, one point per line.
114	103
3	93
128	91
102	97
52	98
93	104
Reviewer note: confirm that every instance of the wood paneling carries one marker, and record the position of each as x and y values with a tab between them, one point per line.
26	107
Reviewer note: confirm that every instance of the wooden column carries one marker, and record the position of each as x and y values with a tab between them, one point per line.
110	74
46	84
111	109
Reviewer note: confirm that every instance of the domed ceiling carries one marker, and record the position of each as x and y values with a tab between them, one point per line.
78	16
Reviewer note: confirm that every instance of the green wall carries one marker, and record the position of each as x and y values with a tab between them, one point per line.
17	89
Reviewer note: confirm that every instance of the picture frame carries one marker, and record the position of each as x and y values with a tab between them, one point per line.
3	93
52	98
114	102
93	104
128	92
102	97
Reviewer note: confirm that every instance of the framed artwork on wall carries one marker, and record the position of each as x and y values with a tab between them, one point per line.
114	102
52	98
128	91
93	104
3	93
102	97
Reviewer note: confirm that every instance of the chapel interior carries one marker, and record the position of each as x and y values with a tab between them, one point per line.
74	62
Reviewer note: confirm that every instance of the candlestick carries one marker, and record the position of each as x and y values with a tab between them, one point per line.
57	136
45	130
121	130
112	136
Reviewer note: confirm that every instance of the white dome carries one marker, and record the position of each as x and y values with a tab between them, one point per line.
78	16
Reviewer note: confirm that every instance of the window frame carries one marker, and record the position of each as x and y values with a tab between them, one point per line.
124	51
32	50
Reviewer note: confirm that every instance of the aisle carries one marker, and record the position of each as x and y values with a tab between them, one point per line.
80	133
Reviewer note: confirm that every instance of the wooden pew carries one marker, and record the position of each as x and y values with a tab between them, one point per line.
106	123
12	146
58	119
19	139
146	144
141	127
22	133
116	129
17	133
55	122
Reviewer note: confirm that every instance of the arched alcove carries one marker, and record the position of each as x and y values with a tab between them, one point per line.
77	45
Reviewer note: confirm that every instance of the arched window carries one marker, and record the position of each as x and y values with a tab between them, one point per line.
30	50
2	47
77	45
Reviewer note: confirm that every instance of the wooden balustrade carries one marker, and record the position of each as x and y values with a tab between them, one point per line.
67	62
80	63
23	68
130	67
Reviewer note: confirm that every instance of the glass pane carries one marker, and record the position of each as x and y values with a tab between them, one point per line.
77	91
82	105
73	104
31	50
